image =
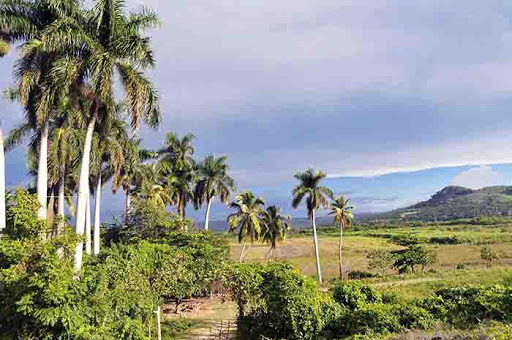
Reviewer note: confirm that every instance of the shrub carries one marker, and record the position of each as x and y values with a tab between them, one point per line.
358	275
411	316
462	266
413	256
406	239
288	305
489	255
373	318
469	305
354	295
244	281
380	260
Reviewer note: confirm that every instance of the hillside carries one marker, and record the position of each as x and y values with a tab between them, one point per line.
454	202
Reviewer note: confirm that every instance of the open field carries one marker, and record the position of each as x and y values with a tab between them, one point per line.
357	244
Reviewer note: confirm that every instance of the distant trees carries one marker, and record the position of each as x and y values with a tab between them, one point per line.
316	196
380	260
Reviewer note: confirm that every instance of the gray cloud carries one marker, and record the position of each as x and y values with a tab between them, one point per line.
353	87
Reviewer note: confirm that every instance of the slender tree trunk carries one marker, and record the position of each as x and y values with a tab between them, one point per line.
270	253
317	254
42	173
158	324
60	202
242	253
88	231
341	250
2	181
97	207
127	203
207	217
83	192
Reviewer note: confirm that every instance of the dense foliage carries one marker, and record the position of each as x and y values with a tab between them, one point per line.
115	294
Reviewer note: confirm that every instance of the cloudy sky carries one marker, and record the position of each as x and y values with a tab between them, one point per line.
356	88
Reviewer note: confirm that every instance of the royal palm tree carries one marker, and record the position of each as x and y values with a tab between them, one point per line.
317	196
178	168
341	211
95	47
214	181
247	218
275	228
4	49
26	22
150	188
107	160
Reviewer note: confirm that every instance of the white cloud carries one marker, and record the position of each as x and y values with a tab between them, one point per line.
478	177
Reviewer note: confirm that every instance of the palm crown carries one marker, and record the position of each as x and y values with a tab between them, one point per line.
248	216
341	211
275	226
214	180
309	187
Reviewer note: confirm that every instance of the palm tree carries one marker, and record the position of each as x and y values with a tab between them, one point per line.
150	188
178	168
98	45
25	22
275	227
214	181
316	197
247	218
342	215
2	181
106	162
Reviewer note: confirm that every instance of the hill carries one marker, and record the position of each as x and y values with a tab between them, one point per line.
455	202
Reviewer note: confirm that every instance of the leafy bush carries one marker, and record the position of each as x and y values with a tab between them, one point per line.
354	295
413	256
380	260
469	305
359	274
488	254
287	304
373	318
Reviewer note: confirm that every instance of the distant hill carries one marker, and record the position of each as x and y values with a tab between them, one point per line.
454	202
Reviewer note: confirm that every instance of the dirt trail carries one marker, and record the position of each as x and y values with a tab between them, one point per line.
406	282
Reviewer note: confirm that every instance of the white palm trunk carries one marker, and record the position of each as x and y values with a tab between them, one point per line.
207	217
42	173
83	193
88	230
60	199
317	254
2	182
127	203
341	250
97	209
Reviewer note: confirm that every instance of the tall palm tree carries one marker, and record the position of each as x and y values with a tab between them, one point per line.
150	188
317	196
25	22
275	227
247	218
106	162
214	181
341	211
179	168
4	49
98	45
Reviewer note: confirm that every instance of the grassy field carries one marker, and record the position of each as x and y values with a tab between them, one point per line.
299	248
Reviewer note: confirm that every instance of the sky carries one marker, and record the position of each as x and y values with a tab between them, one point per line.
356	88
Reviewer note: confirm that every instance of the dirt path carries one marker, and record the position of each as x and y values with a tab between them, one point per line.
406	282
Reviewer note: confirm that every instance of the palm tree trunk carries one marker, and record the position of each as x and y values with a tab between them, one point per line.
60	201
317	254
341	250
97	207
270	253
207	217
83	192
127	203
242	253
88	231
2	182
42	173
